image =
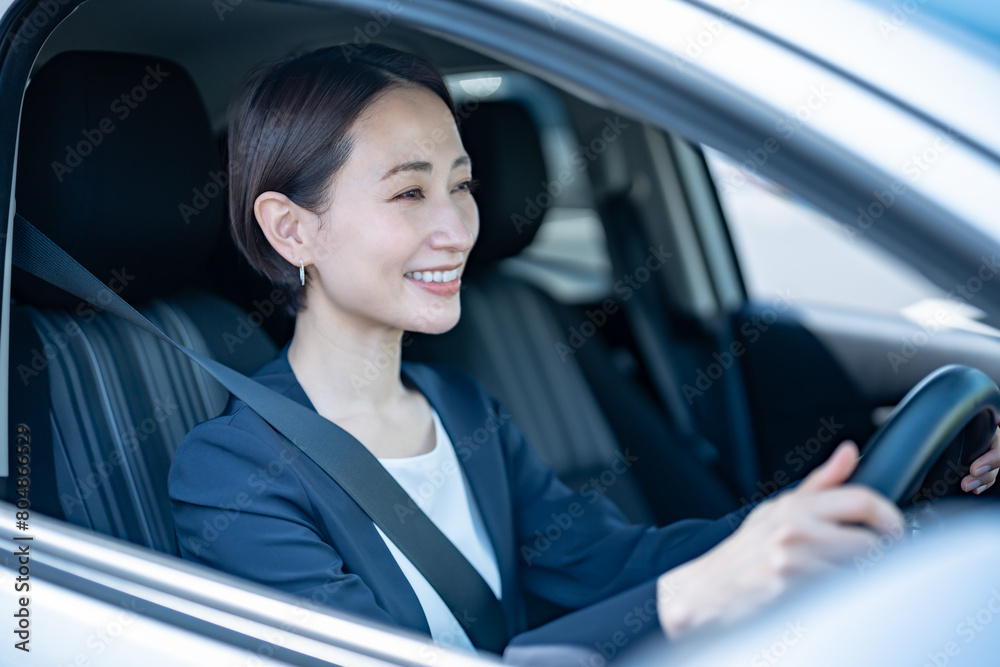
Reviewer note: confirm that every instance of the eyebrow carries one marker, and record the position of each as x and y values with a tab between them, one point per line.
422	165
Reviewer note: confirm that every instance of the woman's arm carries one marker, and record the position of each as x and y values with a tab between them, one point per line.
800	533
239	507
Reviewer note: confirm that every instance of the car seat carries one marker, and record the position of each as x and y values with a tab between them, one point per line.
118	166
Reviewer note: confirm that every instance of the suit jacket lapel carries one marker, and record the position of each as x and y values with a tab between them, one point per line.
474	433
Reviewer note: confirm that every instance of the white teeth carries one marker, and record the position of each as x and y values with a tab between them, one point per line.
434	276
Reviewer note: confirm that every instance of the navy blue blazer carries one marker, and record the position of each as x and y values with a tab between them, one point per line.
246	501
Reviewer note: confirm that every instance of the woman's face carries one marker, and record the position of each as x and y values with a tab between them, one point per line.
401	219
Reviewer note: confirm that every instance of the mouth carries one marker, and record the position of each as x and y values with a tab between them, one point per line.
442	281
433	276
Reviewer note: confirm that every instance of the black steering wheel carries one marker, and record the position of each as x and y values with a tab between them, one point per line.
947	419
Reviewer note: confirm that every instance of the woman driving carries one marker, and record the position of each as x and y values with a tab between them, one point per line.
351	191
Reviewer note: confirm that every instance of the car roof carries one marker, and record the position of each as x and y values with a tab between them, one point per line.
921	62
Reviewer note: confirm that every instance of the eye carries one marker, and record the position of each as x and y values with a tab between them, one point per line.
469	186
413	194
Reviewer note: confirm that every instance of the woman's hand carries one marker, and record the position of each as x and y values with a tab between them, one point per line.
801	532
983	471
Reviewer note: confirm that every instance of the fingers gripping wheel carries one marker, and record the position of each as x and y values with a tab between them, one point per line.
953	412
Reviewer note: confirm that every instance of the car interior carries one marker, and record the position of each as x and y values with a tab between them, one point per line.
121	161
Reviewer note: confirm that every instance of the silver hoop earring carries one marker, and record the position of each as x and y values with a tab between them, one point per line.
302	272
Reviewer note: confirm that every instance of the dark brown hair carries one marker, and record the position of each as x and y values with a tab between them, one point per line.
288	133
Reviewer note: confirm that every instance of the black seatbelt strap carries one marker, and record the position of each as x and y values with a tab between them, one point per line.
336	451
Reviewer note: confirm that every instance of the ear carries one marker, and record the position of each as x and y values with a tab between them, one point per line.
282	220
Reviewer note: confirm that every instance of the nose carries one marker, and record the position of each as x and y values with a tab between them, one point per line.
455	226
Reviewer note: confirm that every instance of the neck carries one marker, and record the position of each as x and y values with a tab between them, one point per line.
345	367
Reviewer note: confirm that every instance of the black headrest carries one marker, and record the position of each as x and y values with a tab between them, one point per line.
118	166
506	151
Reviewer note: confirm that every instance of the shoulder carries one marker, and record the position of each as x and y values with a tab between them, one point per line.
236	443
237	415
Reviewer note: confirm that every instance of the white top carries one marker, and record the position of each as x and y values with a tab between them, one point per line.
437	485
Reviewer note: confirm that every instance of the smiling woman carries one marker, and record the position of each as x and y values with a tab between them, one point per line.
347	169
351	190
